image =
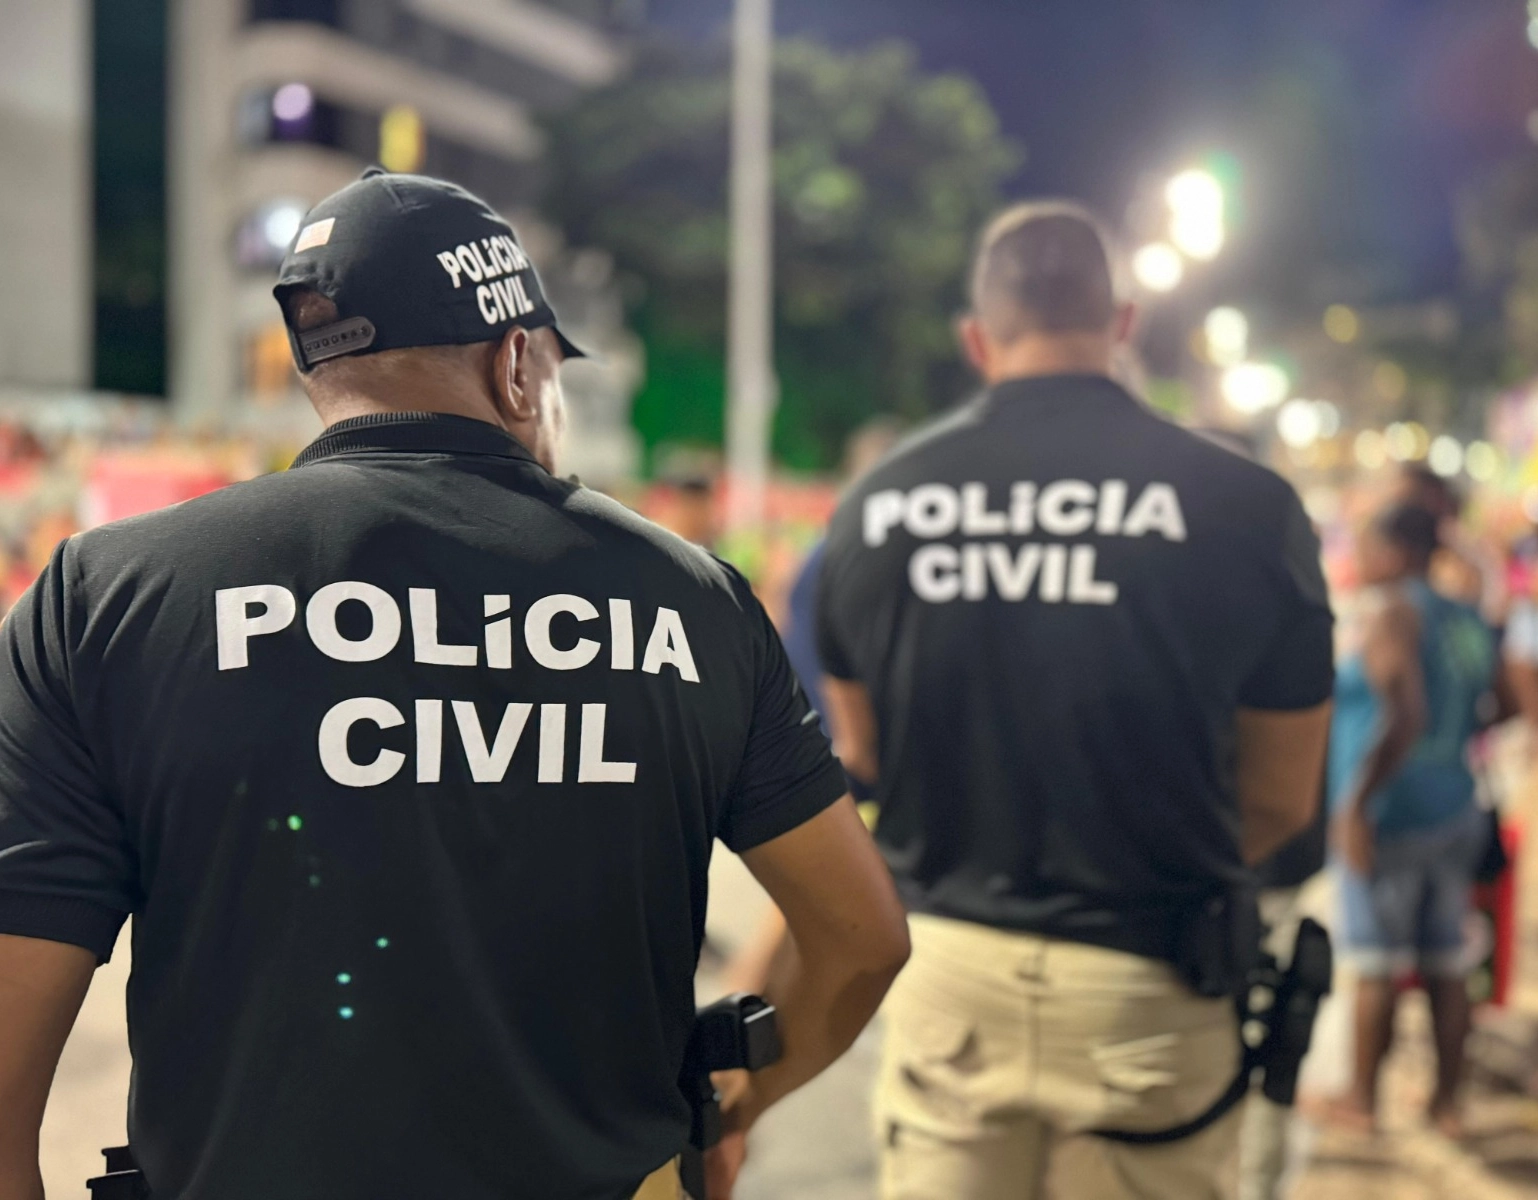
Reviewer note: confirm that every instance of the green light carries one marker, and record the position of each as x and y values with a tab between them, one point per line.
344	978
383	943
314	880
295	823
345	1012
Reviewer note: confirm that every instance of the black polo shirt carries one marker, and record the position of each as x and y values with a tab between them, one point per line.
1057	601
407	763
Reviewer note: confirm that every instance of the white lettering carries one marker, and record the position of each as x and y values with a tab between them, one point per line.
933	511
1083	587
235	626
490	765
536	633
1012	578
1053	568
424	633
934	573
974	572
883	511
429	741
1065	507
451	265
621	636
499	634
487	270
591	767
552	743
669	644
1022	508
976	520
469	263
1158	508
320	620
486	298
1113	503
334	728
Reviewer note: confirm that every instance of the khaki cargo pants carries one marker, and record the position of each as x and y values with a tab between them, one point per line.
1002	1049
663	1184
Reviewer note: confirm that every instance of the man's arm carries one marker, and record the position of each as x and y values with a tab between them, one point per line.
1280	769
852	723
847	938
42	985
1391	657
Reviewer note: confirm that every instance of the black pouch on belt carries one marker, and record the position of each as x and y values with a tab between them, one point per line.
1217	943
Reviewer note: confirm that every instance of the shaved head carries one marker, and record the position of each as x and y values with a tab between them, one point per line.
1044	268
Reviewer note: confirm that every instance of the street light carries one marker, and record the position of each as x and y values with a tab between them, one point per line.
1253	387
1196	204
1158	267
1227	331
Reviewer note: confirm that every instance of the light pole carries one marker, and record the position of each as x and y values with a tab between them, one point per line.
750	350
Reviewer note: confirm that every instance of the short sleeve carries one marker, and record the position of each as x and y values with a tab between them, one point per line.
788	773
1297	668
66	872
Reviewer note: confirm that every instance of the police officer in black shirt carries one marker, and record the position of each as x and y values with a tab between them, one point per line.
407	764
1083	658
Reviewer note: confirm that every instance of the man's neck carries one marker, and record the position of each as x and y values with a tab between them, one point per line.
1069	354
346	405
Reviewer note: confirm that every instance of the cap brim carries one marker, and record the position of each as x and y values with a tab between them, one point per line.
569	348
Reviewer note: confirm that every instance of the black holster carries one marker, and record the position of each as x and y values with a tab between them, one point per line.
1276	1009
734	1034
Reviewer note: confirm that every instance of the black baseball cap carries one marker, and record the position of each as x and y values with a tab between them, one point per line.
410	261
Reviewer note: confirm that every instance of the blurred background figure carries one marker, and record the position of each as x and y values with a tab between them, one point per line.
1408	831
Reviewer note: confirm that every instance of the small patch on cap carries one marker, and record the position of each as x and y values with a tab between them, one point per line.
316	234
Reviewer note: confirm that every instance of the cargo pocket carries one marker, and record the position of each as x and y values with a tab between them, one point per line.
931	1072
1164	1080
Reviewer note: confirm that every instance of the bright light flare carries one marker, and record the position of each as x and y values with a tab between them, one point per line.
281	225
1299	423
292	102
1370	449
1196	193
1445	456
1253	387
1227	331
1482	461
1158	267
1341	324
1198	237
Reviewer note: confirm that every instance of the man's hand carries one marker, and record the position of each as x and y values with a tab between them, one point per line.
42	985
1353	834
723	1161
846	939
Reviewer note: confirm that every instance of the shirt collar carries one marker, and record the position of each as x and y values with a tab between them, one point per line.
407	432
1055	390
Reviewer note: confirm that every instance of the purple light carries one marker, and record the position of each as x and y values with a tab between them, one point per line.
292	102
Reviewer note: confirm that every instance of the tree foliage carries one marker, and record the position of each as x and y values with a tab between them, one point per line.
882	176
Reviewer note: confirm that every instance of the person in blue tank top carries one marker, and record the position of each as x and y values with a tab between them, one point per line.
1408	833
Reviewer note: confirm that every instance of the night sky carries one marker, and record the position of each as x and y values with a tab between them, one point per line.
1355	123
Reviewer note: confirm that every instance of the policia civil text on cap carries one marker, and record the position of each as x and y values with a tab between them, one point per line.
407	764
1083	658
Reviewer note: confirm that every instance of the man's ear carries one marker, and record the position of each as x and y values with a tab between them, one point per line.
1124	329
974	343
510	369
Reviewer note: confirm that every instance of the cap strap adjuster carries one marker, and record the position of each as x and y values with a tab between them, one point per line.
333	341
